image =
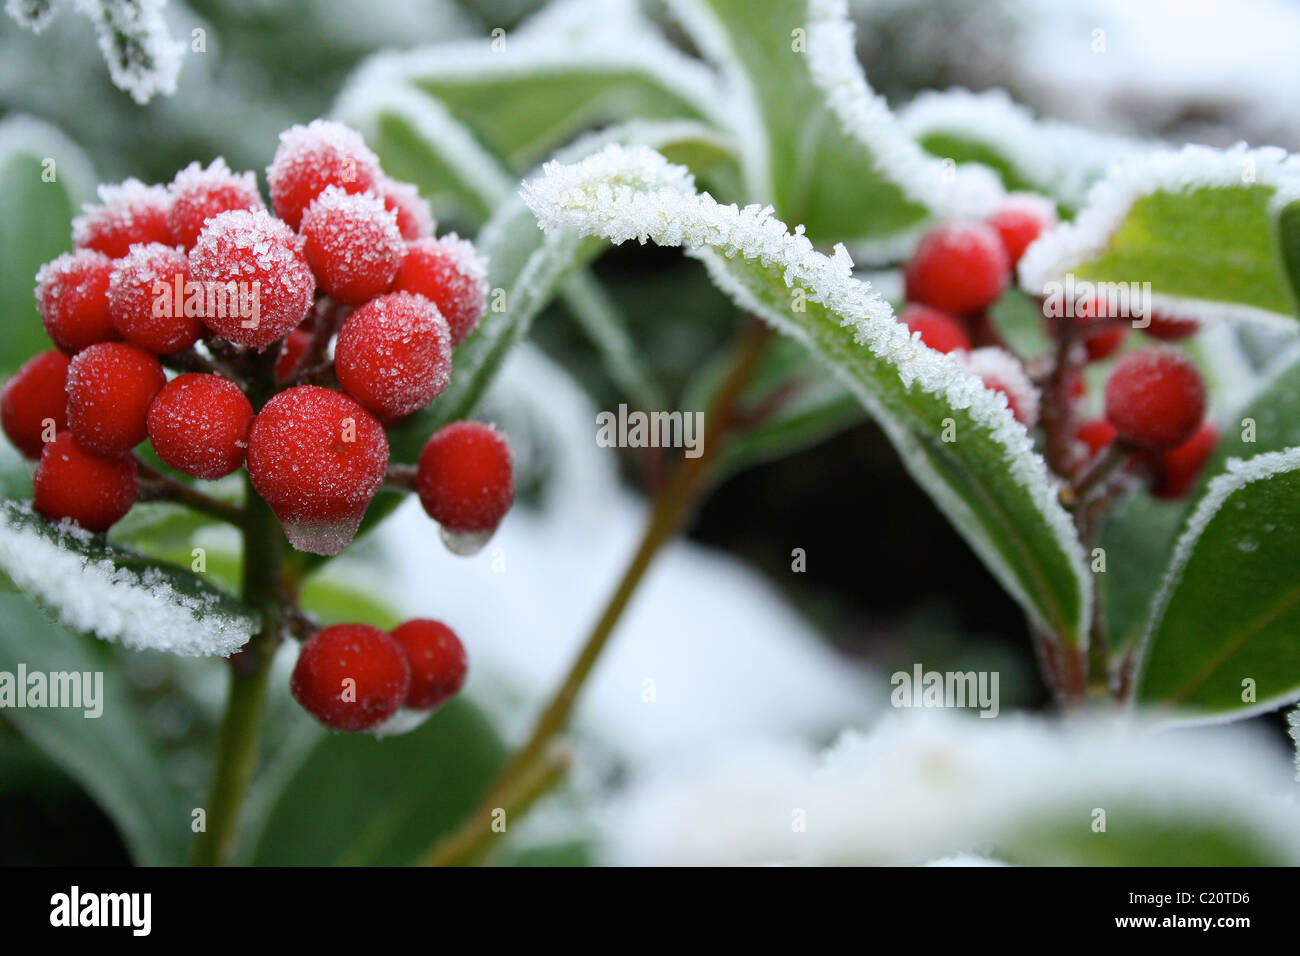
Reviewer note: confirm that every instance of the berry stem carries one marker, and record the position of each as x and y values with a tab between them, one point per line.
517	783
157	486
237	743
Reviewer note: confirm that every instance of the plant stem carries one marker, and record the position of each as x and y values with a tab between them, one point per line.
250	669
518	779
160	487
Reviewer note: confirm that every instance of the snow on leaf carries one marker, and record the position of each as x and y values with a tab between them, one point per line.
1198	224
142	57
989	481
35	15
116	594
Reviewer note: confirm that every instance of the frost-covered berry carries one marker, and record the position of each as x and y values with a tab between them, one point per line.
414	216
95	491
72	297
146	299
352	244
291	353
393	355
317	458
1002	372
1171	330
314	156
351	676
437	659
1103	343
198	194
451	274
465	478
110	387
1177	470
1155	398
958	267
1021	219
1096	435
938	330
34	403
258	284
198	424
128	213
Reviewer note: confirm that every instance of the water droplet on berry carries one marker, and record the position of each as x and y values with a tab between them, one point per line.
465	543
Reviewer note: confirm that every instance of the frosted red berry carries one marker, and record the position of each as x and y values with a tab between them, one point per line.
1177	470
258	284
958	267
34	403
198	424
310	158
1155	398
465	477
351	677
72	297
938	330
1021	219
352	244
393	354
437	658
291	353
1002	372
110	388
128	213
1097	434
450	273
198	194
1171	330
1103	343
317	458
93	490
146	299
414	217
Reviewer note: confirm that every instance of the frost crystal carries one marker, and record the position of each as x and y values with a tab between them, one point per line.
137	608
35	15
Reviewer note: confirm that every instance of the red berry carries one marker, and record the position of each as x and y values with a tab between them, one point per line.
34	403
451	274
198	424
393	354
465	478
414	217
291	353
1097	434
1171	330
938	330
1177	470
437	659
1104	342
351	676
1021	219
353	245
258	285
311	157
1002	372
72	296
94	491
110	386
958	267
198	194
1155	398
131	212
317	458
146	299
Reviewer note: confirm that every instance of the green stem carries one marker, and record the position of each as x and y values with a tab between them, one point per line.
517	781
250	670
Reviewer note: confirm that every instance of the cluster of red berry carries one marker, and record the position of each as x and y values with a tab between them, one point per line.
1155	400
300	335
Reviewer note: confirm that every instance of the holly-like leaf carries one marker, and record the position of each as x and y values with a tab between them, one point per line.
1200	225
116	594
987	479
1221	640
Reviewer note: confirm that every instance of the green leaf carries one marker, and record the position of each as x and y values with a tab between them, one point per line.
358	801
988	480
112	756
1229	606
35	223
118	594
1288	239
1197	224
